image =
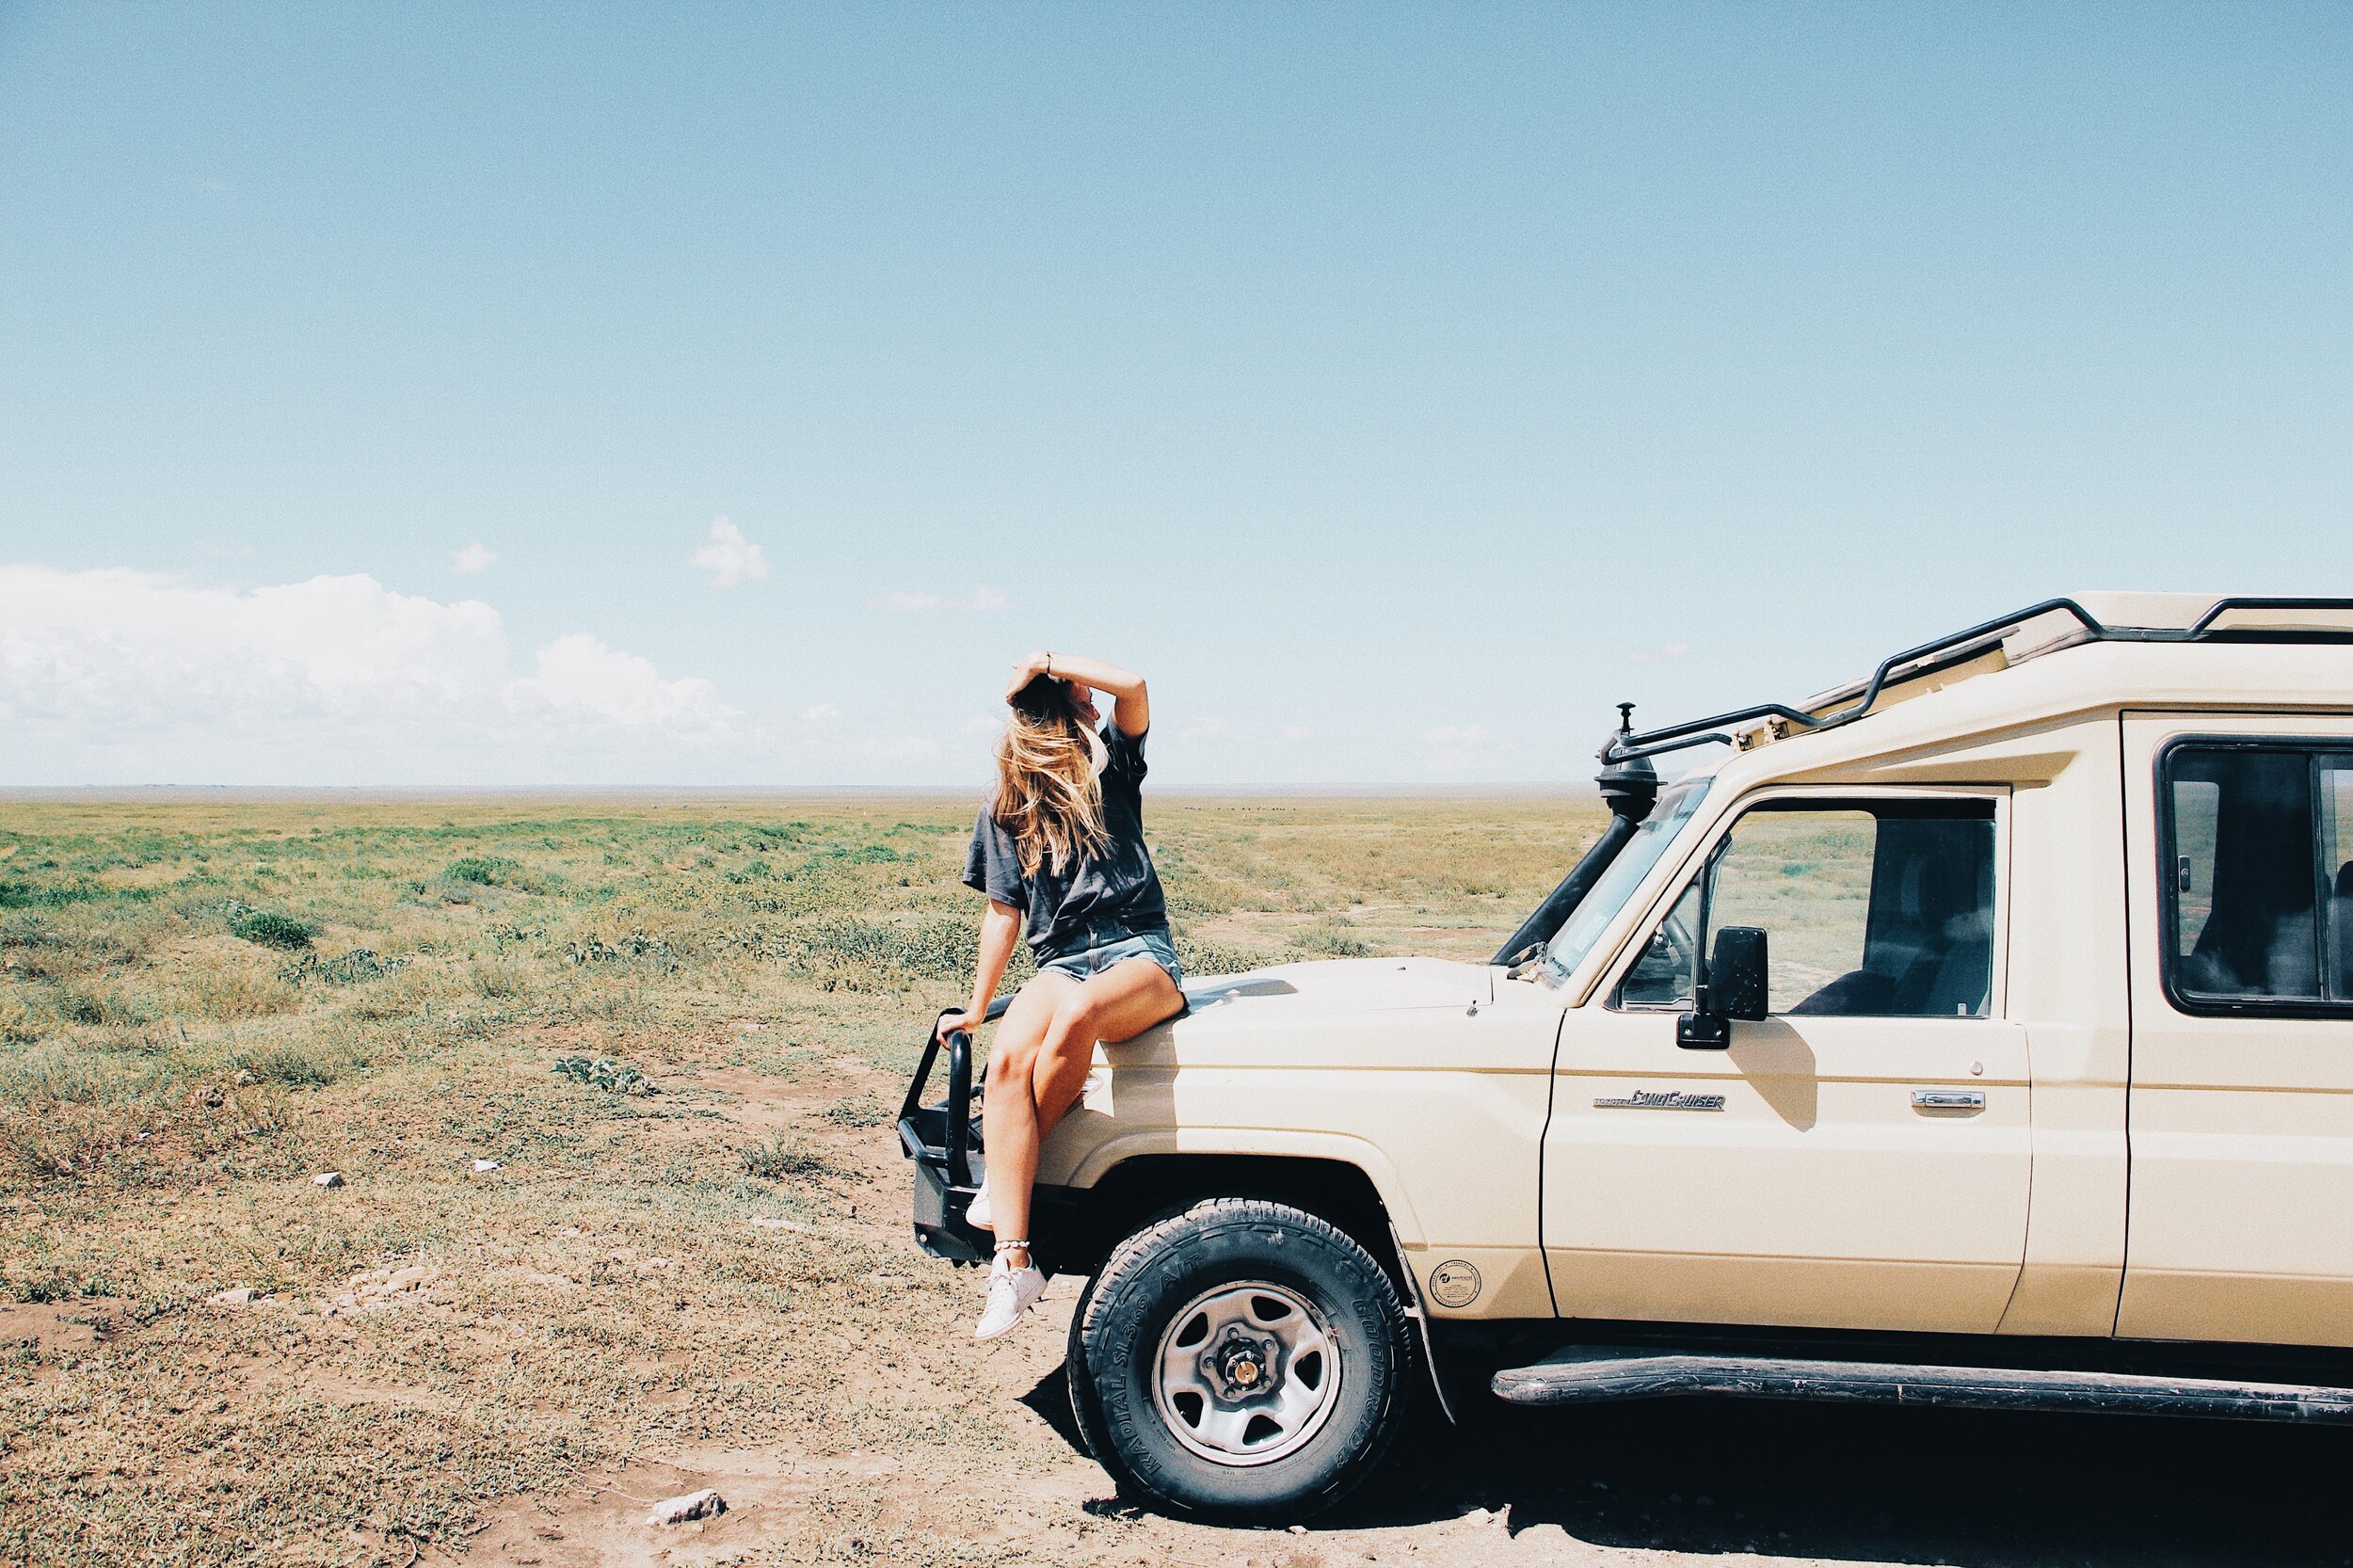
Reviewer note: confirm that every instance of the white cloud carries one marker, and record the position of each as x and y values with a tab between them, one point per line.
820	714
581	678
730	558
118	675
1207	726
1459	749
469	559
981	598
151	648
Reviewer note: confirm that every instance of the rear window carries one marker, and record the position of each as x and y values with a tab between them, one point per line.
2258	875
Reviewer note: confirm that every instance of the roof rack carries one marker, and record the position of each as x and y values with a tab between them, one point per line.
1960	646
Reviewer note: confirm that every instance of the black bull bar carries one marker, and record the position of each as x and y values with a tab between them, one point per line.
943	1139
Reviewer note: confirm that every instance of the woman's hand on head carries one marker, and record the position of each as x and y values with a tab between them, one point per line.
1084	676
1025	671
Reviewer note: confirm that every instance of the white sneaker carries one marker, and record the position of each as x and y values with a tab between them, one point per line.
976	1213
1011	1293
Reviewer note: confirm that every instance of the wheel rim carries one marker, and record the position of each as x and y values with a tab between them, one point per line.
1246	1374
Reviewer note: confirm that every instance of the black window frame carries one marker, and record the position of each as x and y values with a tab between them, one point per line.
2314	749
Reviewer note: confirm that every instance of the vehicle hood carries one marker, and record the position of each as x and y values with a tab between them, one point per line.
1340	986
1353	1013
1376	1061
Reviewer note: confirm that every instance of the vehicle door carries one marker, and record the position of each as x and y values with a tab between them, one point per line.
2239	838
1860	1158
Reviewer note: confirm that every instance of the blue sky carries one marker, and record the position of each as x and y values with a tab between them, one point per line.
1395	387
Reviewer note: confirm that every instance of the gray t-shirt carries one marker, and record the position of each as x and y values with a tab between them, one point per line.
1116	888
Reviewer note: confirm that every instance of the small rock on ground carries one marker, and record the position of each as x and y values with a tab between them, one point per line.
484	1167
244	1295
379	1291
328	1178
694	1505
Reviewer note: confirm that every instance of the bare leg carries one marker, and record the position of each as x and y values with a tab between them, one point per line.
1118	1004
1009	1130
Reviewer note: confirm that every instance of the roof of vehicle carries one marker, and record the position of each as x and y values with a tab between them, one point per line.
1985	705
2124	649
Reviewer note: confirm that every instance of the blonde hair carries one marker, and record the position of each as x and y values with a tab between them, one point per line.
1049	780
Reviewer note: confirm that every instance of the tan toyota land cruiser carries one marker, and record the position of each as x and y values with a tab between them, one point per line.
1980	1033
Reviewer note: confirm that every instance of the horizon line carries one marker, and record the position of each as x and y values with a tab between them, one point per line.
36	793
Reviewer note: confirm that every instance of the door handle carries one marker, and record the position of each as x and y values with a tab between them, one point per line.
1948	1099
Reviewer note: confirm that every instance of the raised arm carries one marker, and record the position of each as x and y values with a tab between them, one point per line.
1131	706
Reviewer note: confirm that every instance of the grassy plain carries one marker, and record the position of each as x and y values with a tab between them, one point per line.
206	1006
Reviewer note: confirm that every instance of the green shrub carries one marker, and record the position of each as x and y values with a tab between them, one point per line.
358	964
18	1024
861	1111
602	1072
49	1285
294	1067
777	1158
270	929
487	870
1203	959
866	954
1333	939
622	949
26	895
84	1003
866	855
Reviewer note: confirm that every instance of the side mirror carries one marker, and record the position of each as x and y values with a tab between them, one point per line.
1736	973
1735	988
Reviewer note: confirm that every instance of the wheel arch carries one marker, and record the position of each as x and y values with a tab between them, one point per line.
1143	1187
1094	1164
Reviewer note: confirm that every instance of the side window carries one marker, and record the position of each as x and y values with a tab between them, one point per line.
1805	877
2336	864
2259	842
1664	974
1877	908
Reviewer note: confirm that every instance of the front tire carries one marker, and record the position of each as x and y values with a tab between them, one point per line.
1241	1360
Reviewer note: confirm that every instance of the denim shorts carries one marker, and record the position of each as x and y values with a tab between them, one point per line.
1109	944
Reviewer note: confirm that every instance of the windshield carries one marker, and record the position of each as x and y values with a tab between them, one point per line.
1608	894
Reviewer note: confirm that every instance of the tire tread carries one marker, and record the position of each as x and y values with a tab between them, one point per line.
1107	1293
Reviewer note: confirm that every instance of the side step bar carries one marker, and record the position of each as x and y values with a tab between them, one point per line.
1588	1373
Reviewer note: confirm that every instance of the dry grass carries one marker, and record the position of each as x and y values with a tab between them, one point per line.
651	1287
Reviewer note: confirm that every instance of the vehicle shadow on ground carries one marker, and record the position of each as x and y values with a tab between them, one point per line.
1974	1489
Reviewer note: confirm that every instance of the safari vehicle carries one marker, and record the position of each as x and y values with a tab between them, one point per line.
1980	1033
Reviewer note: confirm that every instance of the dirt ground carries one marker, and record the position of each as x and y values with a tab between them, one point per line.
713	1285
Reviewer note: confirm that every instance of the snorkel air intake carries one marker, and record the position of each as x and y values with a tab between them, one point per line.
1629	789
